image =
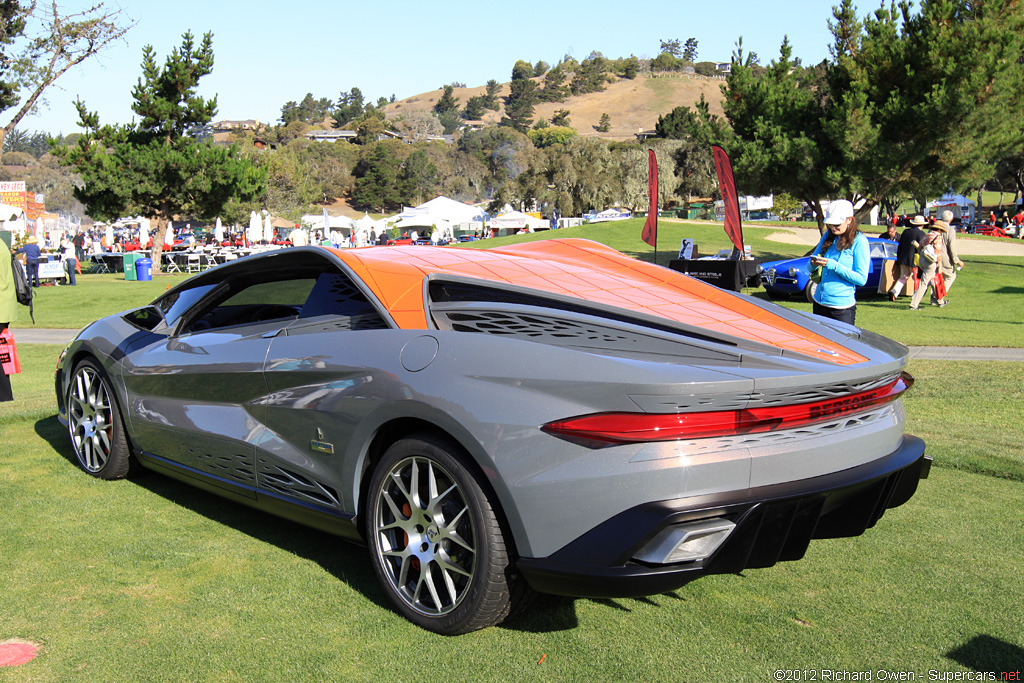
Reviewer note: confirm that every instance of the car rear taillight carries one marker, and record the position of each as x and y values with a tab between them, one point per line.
618	428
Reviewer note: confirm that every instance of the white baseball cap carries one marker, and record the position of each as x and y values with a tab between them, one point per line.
838	211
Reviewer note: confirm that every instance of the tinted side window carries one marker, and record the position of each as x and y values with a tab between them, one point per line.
173	305
259	302
335	295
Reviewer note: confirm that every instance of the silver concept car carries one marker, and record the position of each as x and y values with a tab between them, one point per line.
550	417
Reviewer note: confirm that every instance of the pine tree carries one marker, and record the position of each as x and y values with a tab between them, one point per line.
155	167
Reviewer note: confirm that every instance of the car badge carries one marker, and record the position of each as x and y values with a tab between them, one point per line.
319	445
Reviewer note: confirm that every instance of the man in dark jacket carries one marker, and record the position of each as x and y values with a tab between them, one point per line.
910	239
31	251
79	242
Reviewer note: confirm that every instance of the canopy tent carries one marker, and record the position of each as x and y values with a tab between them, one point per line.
316	222
960	205
439	208
365	230
13	218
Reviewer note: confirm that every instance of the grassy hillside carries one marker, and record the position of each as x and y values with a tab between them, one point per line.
633	105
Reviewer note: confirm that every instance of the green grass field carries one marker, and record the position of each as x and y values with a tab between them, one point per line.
152	580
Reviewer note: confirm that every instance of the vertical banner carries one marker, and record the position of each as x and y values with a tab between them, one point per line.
727	185
650	232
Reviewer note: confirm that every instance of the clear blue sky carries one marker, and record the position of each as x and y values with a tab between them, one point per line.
268	53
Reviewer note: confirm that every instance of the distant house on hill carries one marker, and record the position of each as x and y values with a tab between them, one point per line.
646	134
224	126
347	135
724	67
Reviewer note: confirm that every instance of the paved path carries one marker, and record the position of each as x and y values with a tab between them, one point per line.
29	335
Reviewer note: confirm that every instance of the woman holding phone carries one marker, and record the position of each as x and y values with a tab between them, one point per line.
844	257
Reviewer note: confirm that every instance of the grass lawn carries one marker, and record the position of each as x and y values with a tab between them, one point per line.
152	580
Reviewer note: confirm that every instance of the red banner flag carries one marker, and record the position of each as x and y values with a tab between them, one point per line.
727	185
650	233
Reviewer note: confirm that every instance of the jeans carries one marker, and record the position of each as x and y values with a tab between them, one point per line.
32	270
843	315
71	265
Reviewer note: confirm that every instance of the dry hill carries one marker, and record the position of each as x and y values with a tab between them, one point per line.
633	105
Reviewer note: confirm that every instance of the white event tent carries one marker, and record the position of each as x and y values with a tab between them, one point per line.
13	218
960	205
435	211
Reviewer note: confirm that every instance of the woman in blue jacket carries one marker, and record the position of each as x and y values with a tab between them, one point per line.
844	257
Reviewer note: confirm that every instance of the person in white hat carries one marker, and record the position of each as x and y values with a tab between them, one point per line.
843	255
930	258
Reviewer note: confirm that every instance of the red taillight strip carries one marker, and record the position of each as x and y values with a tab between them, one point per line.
617	428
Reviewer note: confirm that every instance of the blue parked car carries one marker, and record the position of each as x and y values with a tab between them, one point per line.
792	276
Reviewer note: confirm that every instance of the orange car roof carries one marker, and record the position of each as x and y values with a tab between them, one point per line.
586	270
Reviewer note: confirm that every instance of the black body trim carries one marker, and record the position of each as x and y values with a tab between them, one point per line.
316	516
773	524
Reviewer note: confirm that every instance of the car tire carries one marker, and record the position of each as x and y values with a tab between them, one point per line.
437	539
95	426
809	290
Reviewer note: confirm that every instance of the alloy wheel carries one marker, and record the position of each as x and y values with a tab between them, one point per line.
426	540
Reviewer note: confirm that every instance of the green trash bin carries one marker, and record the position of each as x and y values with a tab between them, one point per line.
130	257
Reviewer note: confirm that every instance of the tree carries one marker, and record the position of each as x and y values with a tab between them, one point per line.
560	118
369	128
630	67
554	89
781	143
521	70
377	186
690	50
310	110
519	105
910	104
666	62
551	135
418	125
605	123
448	103
152	167
38	45
590	76
493	88
540	68
786	205
475	109
706	69
417	178
583	176
350	107
672	47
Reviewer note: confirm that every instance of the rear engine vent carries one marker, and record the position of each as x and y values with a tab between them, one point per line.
448	301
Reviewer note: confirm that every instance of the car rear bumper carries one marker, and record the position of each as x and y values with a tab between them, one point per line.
772	524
